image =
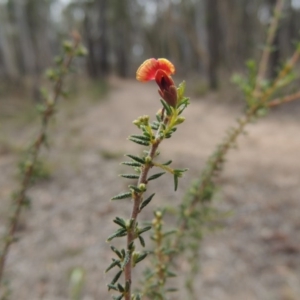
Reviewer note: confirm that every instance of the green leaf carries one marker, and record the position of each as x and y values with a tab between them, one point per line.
155	125
141	137
166	107
131	223
131	163
136	158
183	103
122	196
180	111
146	133
116	278
123	252
112	287
155	176
179	172
181	90
167	163
126	259
120	288
140	231
141	257
127	286
140	142
158	118
131	246
146	202
113	264
135	188
142	241
175	182
130	176
119	233
120	222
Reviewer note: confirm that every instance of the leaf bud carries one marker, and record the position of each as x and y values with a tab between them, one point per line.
158	214
148	159
180	120
143	187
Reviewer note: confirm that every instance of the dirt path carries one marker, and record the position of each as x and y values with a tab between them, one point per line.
256	255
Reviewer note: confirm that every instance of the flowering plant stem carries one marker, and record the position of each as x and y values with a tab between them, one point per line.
216	161
194	209
47	111
137	199
167	120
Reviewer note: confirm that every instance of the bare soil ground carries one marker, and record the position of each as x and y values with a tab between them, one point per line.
256	256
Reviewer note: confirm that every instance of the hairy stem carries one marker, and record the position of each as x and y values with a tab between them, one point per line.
34	153
285	99
216	161
137	199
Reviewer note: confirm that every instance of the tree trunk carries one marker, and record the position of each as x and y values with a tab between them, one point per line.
28	54
122	41
103	39
201	35
275	54
7	53
92	66
213	30
42	35
26	43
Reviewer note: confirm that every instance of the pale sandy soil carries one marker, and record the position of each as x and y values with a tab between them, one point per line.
256	256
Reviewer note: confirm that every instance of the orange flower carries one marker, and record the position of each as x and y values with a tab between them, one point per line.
160	71
149	67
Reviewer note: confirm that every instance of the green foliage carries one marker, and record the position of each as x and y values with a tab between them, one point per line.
156	276
247	84
196	212
31	167
152	134
39	171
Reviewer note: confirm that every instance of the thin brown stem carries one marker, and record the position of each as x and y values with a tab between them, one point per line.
34	153
285	99
137	199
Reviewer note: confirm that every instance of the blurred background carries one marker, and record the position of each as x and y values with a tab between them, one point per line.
201	37
256	254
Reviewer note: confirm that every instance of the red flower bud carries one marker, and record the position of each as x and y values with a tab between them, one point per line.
167	87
